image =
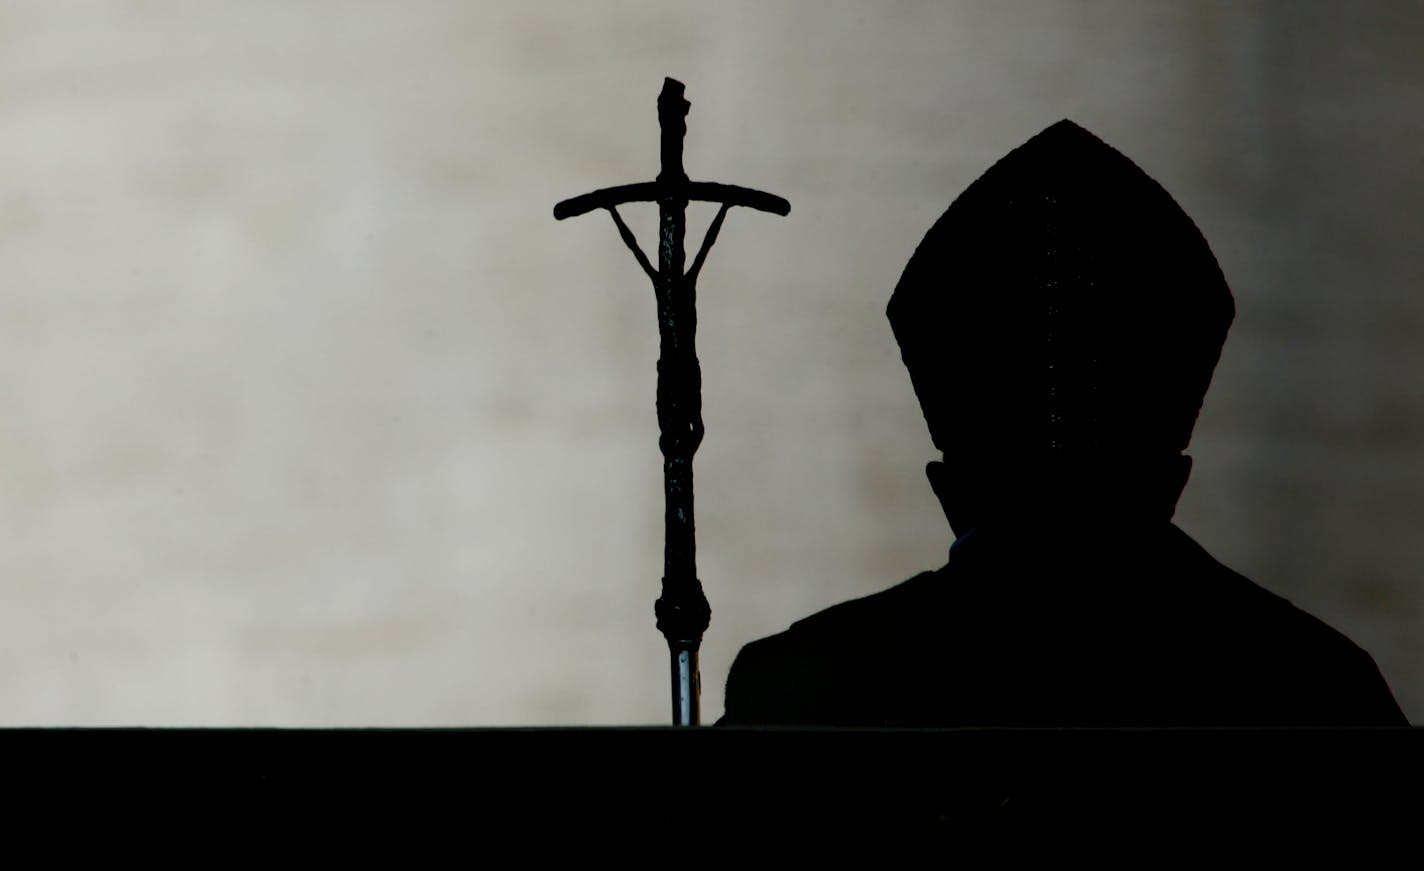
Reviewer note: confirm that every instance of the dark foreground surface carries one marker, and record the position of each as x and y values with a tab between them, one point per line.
982	789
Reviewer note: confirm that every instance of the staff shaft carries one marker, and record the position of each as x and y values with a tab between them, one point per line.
682	609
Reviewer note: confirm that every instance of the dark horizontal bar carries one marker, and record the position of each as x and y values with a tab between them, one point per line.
939	756
961	786
712	192
645	191
651	191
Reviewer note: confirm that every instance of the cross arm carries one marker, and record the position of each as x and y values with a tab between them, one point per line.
732	195
651	191
606	198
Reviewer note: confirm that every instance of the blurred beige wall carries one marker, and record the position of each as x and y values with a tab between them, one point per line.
312	415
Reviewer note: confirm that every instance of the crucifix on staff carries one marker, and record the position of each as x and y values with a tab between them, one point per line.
682	611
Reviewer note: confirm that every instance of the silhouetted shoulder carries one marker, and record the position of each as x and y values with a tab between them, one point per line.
804	676
1306	671
1154	634
784	679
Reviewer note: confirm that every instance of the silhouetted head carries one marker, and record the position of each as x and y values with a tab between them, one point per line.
1061	322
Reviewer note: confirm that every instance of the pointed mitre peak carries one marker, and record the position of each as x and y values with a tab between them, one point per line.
1063	284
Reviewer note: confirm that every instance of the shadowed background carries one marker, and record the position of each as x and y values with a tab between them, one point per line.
312	415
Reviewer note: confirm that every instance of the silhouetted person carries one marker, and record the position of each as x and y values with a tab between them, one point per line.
1060	323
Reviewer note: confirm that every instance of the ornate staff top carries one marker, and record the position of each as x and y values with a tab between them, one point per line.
682	610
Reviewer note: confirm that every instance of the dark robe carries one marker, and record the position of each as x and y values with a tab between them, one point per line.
1057	630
